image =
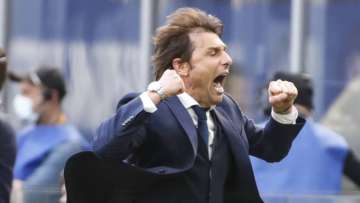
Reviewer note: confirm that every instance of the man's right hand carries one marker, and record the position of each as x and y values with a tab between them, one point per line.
171	83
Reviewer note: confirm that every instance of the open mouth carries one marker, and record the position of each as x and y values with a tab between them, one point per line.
219	83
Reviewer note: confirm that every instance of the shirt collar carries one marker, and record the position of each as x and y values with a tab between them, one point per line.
188	101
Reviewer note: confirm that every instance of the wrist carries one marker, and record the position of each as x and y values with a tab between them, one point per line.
157	88
155	98
283	111
288	118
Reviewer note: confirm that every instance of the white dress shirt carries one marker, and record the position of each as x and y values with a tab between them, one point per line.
187	101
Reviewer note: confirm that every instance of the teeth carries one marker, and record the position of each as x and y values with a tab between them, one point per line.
219	88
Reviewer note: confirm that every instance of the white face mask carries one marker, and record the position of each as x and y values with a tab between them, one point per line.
23	107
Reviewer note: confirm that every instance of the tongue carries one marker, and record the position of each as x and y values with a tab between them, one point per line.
218	87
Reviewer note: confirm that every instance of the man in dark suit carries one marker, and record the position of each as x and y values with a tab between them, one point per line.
186	129
7	145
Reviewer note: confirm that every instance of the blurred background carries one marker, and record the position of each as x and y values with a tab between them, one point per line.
103	48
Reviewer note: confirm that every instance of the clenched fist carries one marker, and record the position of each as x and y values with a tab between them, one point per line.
171	83
282	95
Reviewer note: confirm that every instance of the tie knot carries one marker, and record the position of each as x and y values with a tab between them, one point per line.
200	112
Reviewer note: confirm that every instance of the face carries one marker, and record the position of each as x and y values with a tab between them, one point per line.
207	69
34	93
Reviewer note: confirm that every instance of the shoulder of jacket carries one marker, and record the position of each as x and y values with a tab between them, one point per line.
127	98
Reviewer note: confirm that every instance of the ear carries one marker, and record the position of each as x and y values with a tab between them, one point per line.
182	68
54	96
47	94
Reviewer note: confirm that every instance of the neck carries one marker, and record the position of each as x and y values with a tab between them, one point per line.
197	97
52	117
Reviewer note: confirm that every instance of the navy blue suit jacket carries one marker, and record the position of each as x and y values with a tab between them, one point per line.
165	142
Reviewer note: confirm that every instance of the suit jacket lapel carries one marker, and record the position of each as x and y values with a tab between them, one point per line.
229	129
184	118
237	143
239	147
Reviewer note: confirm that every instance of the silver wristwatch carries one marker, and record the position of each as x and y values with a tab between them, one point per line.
157	88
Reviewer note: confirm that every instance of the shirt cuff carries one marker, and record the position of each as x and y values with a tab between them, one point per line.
289	118
148	104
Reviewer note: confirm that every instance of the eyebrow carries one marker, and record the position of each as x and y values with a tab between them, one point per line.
218	47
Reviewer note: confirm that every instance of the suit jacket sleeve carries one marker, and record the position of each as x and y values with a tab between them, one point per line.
271	143
117	137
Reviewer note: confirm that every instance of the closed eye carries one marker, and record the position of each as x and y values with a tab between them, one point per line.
213	52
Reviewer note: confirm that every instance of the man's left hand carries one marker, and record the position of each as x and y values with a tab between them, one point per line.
282	95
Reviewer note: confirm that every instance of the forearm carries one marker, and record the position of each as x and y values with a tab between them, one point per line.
120	146
118	136
274	141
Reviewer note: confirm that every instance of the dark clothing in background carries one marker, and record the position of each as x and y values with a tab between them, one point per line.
352	168
7	160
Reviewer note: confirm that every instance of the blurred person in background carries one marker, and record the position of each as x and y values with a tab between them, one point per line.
7	144
239	86
48	141
317	159
186	129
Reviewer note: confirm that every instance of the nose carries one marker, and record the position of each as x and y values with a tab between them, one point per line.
227	60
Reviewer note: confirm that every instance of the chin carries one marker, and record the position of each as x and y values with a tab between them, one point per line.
217	100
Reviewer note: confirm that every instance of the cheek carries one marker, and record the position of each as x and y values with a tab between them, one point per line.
37	100
201	82
201	77
205	76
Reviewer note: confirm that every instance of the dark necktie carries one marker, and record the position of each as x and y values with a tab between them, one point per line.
202	124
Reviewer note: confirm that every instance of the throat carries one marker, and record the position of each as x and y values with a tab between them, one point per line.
53	118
